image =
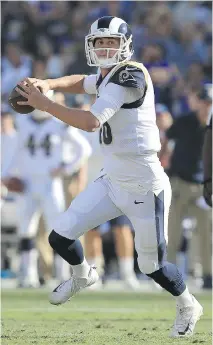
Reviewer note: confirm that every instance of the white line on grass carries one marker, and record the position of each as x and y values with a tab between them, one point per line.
65	310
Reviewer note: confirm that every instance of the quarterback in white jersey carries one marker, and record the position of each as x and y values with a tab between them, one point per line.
46	150
132	181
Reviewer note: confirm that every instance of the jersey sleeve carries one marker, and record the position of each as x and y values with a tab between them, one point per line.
89	84
127	85
112	100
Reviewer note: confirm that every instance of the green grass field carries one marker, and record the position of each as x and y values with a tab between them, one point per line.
95	319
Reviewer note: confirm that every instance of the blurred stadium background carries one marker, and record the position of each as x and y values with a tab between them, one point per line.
45	39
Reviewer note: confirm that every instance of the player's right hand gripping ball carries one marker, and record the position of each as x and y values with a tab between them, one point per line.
16	97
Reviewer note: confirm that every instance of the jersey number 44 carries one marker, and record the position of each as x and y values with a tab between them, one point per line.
45	145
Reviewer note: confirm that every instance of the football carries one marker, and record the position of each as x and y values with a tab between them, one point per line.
16	97
14	184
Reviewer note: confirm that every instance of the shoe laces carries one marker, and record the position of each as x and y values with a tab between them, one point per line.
75	283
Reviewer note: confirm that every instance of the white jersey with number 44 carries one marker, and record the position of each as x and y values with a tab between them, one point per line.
44	146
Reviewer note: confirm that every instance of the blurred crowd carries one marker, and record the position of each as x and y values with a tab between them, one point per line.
173	39
45	39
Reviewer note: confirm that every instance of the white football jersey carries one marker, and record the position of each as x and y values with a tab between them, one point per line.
47	145
129	136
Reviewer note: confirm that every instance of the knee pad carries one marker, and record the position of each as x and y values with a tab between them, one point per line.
53	239
58	242
69	250
27	244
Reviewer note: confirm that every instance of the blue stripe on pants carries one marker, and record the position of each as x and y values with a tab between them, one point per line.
159	220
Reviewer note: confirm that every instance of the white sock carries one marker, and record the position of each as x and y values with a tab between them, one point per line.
81	270
185	298
97	261
126	267
29	266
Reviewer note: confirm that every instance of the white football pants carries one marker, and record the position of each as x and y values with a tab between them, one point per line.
102	201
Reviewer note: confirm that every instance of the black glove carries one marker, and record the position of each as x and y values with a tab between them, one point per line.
207	191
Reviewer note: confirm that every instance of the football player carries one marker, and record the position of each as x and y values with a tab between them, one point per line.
133	181
46	150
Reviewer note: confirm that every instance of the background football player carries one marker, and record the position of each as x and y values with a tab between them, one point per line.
46	151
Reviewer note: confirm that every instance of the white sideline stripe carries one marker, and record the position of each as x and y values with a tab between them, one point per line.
55	309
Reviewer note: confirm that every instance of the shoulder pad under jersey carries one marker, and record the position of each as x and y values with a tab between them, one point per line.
129	76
